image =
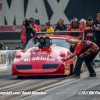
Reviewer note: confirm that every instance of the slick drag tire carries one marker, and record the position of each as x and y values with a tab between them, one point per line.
20	77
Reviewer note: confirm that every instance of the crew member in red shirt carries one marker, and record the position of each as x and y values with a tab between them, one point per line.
85	51
76	27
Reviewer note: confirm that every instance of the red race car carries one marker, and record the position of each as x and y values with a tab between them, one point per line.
42	57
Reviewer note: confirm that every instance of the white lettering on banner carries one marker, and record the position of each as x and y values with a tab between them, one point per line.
58	10
40	58
17	28
41	14
16	11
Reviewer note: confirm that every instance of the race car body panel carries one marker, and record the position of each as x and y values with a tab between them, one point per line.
45	61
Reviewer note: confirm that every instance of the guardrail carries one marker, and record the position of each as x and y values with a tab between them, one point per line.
6	58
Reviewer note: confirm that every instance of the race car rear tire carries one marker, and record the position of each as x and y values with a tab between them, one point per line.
20	77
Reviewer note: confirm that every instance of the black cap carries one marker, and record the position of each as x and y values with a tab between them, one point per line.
48	23
32	19
89	18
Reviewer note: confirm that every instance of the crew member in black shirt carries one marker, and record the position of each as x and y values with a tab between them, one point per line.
30	30
89	29
61	26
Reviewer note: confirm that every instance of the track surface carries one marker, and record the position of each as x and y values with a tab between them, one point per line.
56	88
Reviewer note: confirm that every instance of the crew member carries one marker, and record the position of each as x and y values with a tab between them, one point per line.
89	30
75	27
85	51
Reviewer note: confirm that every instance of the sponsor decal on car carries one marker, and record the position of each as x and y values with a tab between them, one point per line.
66	66
39	58
39	52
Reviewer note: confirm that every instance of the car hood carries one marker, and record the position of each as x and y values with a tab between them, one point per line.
36	56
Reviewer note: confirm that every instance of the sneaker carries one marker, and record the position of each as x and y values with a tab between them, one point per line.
76	76
92	75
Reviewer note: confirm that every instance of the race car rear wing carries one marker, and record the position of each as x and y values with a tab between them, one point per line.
61	33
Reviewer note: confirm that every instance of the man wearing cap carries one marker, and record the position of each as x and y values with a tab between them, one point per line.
35	25
31	29
85	51
89	30
75	27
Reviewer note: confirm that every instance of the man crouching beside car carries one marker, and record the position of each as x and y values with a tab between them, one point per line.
85	51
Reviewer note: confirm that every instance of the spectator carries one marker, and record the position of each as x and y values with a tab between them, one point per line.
83	23
75	27
89	30
49	28
97	30
61	26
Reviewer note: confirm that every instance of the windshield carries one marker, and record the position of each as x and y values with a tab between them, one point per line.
30	44
58	42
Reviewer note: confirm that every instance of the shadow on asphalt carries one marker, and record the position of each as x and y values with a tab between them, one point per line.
37	77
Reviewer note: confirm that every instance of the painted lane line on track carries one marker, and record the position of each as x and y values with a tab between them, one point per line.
65	82
60	83
17	84
3	69
56	85
9	89
13	97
